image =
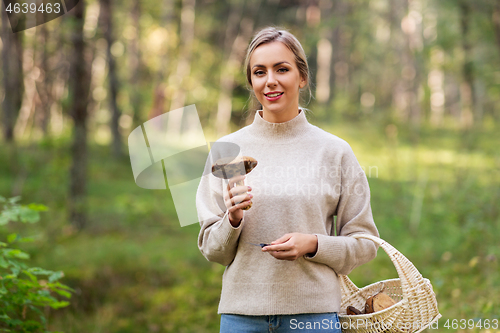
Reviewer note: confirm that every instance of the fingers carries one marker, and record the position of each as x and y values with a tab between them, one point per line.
234	200
284	248
236	194
284	243
236	197
243	199
234	180
292	254
282	239
236	212
236	191
240	205
277	247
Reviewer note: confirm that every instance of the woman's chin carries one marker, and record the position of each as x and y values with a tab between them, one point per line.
273	108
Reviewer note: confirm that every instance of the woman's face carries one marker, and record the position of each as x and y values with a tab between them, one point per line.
273	70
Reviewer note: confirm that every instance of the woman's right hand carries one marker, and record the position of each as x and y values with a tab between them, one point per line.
236	199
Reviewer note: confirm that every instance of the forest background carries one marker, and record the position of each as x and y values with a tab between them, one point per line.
412	85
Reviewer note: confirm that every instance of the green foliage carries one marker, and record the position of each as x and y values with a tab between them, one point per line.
13	212
436	202
22	292
145	273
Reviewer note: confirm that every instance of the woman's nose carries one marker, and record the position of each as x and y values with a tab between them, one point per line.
271	80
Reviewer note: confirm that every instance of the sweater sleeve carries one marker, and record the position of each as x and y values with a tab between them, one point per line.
217	239
342	252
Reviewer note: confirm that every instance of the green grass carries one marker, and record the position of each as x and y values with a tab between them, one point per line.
135	269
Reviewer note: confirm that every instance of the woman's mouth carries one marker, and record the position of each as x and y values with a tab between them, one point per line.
274	96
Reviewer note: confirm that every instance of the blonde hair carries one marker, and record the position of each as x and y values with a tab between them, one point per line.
278	34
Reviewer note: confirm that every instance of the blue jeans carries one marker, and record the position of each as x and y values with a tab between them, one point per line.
304	322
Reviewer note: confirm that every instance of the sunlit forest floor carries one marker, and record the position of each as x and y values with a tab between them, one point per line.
434	198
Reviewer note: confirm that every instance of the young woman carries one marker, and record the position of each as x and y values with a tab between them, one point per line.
304	178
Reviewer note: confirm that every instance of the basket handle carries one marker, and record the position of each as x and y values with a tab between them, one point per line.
347	285
408	274
377	240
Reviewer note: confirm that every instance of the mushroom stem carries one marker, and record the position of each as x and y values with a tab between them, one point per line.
242	183
229	167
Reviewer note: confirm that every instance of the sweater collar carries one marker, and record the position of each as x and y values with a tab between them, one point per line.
283	132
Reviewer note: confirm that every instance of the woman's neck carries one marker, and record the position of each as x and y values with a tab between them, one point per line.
285	132
279	118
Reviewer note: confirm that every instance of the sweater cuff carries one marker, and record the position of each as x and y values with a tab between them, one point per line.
227	234
329	251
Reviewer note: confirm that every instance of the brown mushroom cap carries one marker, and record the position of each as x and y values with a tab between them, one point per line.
229	167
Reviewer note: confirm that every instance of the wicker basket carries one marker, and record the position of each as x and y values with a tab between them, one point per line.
415	308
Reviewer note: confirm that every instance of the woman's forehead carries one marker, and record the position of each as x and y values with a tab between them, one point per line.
269	54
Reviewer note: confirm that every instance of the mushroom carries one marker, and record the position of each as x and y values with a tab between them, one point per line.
352	311
230	167
378	302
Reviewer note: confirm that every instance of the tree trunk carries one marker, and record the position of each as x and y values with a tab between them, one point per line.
467	86
235	47
496	22
404	36
224	105
79	90
107	26
44	87
169	22
324	60
324	55
23	125
339	10
397	40
12	67
8	102
136	66
183	65
411	72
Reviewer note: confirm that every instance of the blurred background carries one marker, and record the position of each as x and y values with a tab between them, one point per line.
412	85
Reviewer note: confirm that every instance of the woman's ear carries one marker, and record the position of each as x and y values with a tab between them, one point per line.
303	83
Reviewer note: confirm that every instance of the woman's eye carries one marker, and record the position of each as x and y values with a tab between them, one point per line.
258	72
283	70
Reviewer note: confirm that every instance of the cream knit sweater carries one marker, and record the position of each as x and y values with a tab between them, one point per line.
304	177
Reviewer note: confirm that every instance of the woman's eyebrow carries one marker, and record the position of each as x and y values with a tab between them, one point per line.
276	64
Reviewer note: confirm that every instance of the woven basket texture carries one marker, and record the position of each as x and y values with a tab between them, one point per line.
416	306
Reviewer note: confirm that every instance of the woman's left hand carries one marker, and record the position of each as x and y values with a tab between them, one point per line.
292	246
